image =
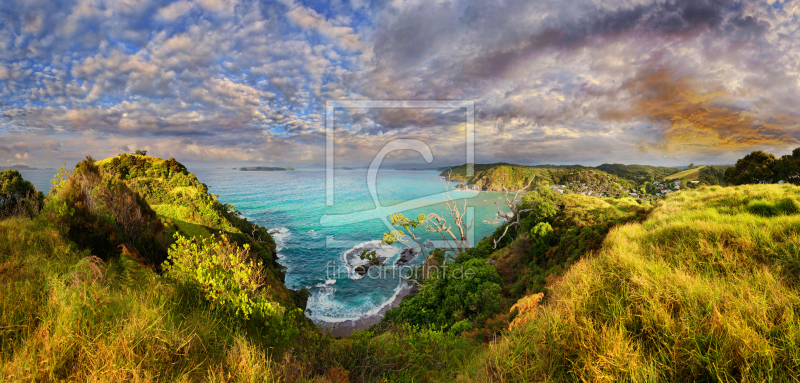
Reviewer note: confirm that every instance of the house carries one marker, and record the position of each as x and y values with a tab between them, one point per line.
634	195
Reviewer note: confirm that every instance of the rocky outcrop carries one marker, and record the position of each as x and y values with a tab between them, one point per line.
407	255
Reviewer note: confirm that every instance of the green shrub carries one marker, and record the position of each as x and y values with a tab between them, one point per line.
17	196
224	273
461	326
230	279
459	291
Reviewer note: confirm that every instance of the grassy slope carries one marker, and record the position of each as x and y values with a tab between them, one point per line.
689	174
75	319
706	289
579	227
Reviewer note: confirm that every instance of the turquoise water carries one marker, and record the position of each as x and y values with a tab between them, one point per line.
294	202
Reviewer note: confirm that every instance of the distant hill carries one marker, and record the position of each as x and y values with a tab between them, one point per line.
576	178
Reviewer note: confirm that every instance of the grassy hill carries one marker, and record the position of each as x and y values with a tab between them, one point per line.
689	174
66	315
705	289
702	286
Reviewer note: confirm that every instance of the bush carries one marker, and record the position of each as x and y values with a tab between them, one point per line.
468	291
230	279
100	212
461	326
224	273
17	196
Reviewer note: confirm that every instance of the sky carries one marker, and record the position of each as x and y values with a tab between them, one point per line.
246	82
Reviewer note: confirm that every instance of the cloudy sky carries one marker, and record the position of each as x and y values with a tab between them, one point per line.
245	82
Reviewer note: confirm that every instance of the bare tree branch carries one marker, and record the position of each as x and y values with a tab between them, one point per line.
513	204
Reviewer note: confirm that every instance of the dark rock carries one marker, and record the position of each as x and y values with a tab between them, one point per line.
362	270
407	255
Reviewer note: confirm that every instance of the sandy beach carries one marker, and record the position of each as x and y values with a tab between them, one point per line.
346	328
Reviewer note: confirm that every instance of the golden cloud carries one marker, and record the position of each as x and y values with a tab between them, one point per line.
694	120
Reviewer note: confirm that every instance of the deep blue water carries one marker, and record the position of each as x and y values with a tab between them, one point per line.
295	202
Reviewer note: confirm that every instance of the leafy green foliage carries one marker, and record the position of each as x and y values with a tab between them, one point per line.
457	291
754	168
496	177
788	168
17	196
399	353
68	316
229	278
370	256
225	273
712	175
760	167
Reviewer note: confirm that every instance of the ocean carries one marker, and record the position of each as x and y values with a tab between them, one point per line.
313	237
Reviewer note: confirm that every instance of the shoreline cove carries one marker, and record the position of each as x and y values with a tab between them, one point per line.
348	326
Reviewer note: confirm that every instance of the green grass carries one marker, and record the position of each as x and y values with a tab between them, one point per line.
177	214
706	289
66	316
690	174
579	226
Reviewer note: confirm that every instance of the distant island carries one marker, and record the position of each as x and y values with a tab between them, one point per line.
264	169
18	167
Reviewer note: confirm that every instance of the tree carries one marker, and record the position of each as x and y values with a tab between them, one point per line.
691	166
18	196
513	204
712	175
754	168
788	168
454	239
140	152
683	184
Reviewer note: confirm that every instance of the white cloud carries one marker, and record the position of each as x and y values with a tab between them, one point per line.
175	10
